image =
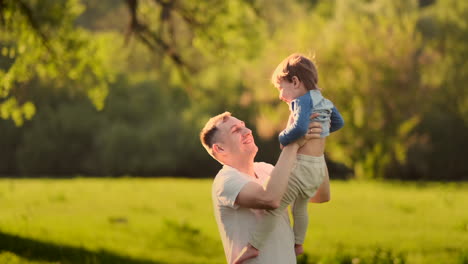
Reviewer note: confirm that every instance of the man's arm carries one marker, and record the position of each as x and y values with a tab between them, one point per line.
254	195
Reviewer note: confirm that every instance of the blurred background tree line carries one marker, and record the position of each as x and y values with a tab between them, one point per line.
117	88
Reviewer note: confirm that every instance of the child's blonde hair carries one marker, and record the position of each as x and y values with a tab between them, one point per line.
296	65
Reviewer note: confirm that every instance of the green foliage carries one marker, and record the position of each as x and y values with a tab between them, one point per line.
129	136
58	141
381	63
434	155
374	84
231	29
40	43
440	150
9	109
139	135
395	69
9	140
463	258
446	35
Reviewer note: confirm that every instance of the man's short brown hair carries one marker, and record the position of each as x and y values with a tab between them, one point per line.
208	133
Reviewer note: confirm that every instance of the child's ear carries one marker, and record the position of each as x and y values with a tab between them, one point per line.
295	81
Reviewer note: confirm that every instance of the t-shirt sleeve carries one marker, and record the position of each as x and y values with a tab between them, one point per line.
226	188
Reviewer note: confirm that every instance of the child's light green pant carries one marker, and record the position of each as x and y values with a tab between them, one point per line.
306	177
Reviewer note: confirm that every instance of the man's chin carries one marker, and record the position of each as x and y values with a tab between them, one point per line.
252	148
255	148
252	144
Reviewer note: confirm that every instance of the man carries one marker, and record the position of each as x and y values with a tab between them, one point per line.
242	188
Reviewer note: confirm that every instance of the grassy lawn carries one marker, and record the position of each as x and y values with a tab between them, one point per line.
152	221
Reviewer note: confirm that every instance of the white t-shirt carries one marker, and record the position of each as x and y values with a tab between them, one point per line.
235	223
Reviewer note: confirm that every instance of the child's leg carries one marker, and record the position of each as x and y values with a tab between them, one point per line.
301	219
263	229
268	222
260	234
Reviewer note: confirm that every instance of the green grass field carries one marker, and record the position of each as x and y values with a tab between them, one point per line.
138	221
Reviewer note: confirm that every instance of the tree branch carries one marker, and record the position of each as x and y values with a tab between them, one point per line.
2	9
149	38
27	12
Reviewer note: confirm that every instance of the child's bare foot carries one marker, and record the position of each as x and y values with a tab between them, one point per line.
247	252
298	249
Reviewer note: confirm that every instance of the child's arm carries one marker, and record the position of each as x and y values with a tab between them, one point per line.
336	120
302	109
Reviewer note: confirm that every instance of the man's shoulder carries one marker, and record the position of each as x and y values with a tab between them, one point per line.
263	165
227	185
227	176
225	172
263	169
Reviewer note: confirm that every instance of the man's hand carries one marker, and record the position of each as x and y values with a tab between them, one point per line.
315	129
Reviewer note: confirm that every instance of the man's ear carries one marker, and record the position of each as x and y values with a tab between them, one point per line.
217	149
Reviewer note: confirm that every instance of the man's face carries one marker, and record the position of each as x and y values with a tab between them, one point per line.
235	138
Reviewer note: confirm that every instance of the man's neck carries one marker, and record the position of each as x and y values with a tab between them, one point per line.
244	165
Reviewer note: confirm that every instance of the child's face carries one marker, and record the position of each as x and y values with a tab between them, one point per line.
288	91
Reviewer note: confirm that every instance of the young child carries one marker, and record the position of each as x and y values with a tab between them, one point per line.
296	79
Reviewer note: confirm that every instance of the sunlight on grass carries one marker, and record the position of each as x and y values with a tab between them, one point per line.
171	221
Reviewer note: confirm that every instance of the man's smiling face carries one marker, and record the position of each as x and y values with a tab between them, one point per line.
235	138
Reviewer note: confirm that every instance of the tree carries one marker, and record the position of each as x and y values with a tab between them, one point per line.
375	83
39	43
367	54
